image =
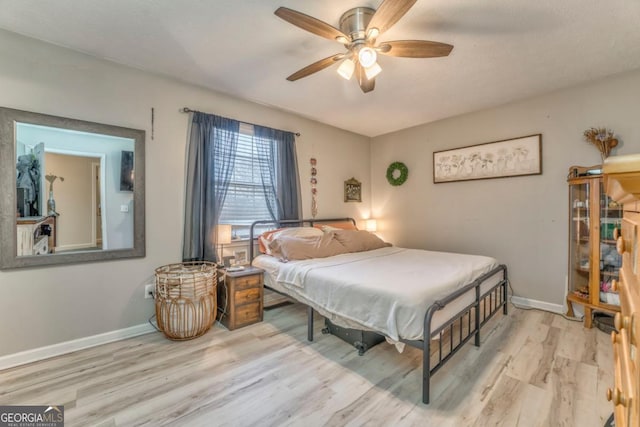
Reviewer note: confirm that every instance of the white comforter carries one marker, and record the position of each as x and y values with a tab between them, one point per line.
387	290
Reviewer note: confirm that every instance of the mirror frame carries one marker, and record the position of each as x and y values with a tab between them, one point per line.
8	201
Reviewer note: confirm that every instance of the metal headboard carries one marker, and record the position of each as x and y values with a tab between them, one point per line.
289	222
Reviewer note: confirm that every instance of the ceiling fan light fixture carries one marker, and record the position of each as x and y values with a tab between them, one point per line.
358	31
346	68
372	71
367	57
373	33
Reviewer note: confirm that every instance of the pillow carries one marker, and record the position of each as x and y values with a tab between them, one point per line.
268	236
289	248
359	240
332	226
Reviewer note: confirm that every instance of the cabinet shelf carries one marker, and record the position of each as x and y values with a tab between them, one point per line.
601	306
609	273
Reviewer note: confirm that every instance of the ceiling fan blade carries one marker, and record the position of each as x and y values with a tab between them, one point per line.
389	12
309	23
415	49
316	66
365	84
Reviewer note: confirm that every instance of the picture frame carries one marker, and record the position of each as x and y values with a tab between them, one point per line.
498	159
240	256
352	190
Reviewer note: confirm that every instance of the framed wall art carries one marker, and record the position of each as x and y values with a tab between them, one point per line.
352	190
511	157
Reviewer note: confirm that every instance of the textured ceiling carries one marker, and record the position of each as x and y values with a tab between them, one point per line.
504	50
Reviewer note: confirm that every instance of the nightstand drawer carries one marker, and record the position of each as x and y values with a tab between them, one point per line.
248	313
247	295
247	281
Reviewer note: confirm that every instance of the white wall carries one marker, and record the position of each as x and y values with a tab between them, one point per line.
522	221
57	304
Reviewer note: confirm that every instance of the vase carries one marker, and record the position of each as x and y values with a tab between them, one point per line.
51	205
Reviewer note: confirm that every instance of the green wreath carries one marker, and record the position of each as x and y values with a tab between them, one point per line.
400	167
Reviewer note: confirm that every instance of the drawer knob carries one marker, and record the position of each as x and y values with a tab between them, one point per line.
616	397
620	245
621	321
616	233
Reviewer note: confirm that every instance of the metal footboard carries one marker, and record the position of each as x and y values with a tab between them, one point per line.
468	321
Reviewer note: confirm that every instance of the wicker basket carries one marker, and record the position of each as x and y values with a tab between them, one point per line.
186	301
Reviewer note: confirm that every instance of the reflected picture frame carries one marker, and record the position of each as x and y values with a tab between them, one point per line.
126	171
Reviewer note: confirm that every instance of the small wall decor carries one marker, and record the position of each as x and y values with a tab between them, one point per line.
352	190
603	140
499	159
397	173
240	256
314	190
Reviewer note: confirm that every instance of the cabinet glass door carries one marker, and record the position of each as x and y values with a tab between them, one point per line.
610	259
580	244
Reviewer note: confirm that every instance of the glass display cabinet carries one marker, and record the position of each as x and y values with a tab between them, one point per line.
594	261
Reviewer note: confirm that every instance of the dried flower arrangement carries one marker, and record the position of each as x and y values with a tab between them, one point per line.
603	140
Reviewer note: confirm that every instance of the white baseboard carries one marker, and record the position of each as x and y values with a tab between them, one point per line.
542	305
41	353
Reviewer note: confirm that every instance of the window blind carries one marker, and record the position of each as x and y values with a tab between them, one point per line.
245	201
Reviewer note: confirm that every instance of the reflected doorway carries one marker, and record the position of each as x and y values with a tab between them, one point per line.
78	199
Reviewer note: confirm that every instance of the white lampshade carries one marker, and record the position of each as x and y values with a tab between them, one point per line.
223	233
371	225
367	57
372	71
346	68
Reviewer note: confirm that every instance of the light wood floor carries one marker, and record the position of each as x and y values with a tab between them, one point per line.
533	369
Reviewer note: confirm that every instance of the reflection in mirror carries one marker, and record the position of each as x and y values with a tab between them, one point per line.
79	190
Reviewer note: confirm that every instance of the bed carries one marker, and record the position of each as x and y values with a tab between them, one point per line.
434	301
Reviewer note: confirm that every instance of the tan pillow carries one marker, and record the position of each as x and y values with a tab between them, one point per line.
359	240
296	248
331	226
268	236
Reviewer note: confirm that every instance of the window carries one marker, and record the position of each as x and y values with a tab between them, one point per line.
245	201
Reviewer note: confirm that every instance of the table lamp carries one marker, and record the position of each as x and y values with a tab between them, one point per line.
223	237
371	225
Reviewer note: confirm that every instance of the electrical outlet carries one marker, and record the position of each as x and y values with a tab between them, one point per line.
149	290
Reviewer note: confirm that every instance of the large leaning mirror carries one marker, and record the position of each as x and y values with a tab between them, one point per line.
70	190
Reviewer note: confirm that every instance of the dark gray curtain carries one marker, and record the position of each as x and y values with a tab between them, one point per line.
280	183
213	142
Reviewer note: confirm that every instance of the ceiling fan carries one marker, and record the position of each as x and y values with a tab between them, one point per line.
359	29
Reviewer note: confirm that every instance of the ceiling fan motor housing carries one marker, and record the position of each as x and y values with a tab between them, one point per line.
354	22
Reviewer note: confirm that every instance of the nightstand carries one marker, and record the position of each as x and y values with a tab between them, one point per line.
240	297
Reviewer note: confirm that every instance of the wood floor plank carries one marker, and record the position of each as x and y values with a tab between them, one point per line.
532	369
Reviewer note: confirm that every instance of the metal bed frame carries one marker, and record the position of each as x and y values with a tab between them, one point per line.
483	308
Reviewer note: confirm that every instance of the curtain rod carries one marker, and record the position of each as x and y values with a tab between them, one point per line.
189	110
